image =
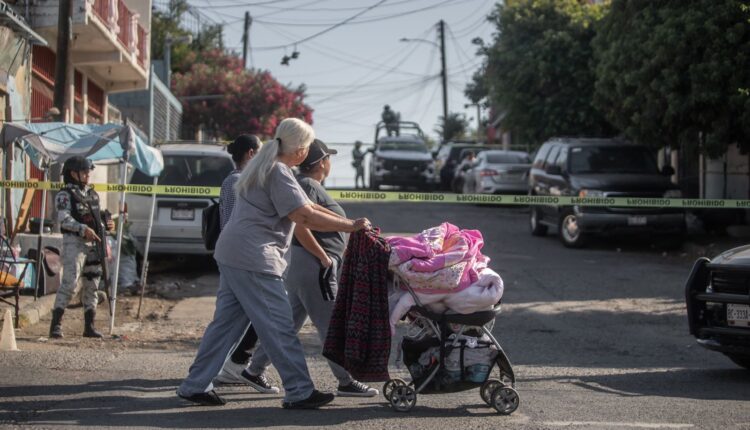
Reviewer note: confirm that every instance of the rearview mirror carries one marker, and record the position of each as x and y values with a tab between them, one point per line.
667	171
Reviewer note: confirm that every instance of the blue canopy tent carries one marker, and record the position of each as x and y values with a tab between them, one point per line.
53	143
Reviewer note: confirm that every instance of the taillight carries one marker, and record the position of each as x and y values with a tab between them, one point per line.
488	172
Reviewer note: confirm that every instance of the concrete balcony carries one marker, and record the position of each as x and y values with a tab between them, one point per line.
111	39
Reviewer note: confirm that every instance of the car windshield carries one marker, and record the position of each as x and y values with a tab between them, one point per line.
612	159
189	170
403	146
508	159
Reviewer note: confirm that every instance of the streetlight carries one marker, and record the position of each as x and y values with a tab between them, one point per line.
443	71
169	40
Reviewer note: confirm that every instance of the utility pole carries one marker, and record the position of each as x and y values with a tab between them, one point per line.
61	61
246	38
443	74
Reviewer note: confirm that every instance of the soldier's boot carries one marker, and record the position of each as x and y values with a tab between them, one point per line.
55	327
88	329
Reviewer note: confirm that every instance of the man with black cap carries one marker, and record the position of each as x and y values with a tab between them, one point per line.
311	278
78	213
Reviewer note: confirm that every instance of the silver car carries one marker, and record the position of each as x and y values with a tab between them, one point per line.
498	172
177	219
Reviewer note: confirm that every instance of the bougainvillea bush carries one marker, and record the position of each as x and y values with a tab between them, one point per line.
240	100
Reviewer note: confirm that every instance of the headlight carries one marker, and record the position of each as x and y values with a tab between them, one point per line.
673	194
591	193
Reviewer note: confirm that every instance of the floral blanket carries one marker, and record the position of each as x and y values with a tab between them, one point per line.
438	259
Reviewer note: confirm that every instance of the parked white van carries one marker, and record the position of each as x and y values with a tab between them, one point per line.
177	219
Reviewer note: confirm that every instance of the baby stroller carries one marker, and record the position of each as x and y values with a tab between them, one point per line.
452	352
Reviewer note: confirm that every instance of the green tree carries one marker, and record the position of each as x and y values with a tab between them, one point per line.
539	69
673	75
165	23
453	127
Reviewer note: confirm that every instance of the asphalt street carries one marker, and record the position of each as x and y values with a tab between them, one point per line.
597	337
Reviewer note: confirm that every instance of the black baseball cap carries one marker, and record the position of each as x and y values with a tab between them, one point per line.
318	151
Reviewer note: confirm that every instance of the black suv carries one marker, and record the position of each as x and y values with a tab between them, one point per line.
718	304
448	157
602	168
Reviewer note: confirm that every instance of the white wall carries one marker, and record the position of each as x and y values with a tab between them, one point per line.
737	176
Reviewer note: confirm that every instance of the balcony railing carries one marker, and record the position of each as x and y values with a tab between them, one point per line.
101	9
117	17
124	17
142	46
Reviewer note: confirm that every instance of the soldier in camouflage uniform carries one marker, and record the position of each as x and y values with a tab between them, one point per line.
78	213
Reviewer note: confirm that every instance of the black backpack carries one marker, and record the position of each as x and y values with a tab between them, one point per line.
211	226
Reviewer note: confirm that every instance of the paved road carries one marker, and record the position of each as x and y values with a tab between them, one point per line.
597	337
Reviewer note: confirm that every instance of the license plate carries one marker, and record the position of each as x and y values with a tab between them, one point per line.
738	315
636	220
183	214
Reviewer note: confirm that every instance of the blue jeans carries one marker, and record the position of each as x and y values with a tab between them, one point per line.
245	297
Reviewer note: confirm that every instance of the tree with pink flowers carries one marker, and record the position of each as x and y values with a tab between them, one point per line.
227	100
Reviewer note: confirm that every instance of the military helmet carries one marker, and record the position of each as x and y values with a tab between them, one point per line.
77	164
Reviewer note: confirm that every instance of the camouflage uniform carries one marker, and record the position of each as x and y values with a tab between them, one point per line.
78	209
80	258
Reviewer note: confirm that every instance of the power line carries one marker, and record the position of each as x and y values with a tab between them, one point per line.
342	56
362	21
339	24
406	57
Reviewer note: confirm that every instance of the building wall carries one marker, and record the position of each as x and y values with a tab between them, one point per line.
14	77
728	177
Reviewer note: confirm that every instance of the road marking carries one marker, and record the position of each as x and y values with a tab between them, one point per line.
598	424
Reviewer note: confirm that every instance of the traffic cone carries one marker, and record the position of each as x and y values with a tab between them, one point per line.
8	338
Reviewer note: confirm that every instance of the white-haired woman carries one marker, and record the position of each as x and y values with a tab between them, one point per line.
252	256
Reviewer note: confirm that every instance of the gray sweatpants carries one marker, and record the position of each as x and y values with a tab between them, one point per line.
245	297
80	261
306	299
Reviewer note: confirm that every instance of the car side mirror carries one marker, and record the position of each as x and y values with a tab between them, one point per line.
554	170
667	171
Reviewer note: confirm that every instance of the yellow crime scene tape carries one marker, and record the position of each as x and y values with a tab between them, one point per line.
416	197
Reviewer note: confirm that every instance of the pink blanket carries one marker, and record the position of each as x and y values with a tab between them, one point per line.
438	259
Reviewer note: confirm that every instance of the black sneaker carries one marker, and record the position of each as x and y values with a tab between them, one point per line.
259	382
356	389
316	400
209	398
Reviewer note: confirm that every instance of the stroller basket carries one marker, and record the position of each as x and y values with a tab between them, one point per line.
466	364
453	352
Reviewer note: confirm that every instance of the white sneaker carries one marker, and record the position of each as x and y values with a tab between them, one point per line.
231	373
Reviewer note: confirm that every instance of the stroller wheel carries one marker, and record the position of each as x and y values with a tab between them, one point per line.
505	400
390	385
403	398
487	388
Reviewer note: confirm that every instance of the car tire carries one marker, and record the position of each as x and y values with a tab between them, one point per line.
537	228
569	232
740	360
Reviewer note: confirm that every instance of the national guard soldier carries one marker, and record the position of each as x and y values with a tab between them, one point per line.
78	213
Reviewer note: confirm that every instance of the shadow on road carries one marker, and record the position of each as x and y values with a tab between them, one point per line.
699	384
152	403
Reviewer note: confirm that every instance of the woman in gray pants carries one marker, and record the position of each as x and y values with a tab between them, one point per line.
311	279
252	257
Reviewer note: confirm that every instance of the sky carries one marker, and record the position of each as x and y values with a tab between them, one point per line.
357	64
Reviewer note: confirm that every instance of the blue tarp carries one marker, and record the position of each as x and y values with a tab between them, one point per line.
103	143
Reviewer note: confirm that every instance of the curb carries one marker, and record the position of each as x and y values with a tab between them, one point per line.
35	311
